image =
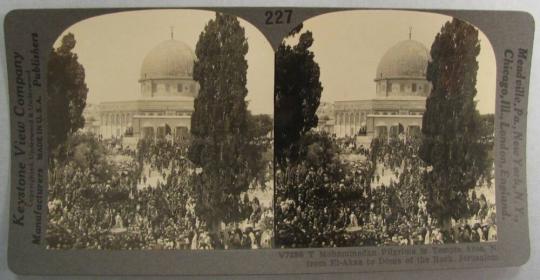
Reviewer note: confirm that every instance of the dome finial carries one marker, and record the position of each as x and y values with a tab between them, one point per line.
410	32
172	32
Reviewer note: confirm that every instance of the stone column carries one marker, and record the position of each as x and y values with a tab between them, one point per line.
337	128
109	125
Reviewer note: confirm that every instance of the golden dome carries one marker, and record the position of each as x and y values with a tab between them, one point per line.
406	59
170	59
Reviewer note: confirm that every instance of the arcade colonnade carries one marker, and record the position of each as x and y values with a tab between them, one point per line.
144	124
349	123
115	124
391	126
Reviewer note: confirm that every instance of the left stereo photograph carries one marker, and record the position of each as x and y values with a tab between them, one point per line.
160	133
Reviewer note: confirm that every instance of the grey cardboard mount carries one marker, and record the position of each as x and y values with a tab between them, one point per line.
37	30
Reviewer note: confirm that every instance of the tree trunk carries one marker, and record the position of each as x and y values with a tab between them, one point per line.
214	226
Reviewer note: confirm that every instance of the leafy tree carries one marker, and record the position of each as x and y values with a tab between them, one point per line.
261	125
84	151
319	184
224	145
452	130
297	94
66	93
488	128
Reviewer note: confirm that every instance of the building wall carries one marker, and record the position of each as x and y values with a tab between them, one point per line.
386	126
402	87
351	117
116	118
169	87
155	126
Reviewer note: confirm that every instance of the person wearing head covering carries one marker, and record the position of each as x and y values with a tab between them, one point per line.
353	220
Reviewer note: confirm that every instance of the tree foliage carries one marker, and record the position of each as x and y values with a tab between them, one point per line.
66	93
314	187
260	125
224	140
297	94
452	144
83	151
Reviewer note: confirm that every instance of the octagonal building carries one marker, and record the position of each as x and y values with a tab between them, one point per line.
400	97
165	101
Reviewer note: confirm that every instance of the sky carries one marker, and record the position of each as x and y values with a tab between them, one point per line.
111	49
349	45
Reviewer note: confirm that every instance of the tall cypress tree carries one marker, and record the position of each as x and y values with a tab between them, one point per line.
66	93
222	145
452	131
297	94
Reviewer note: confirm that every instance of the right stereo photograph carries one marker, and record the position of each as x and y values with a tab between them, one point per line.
384	131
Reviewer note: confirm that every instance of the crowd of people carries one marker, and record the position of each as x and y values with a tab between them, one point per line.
140	198
114	204
370	196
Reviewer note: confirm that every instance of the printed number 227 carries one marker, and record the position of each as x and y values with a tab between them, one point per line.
278	16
